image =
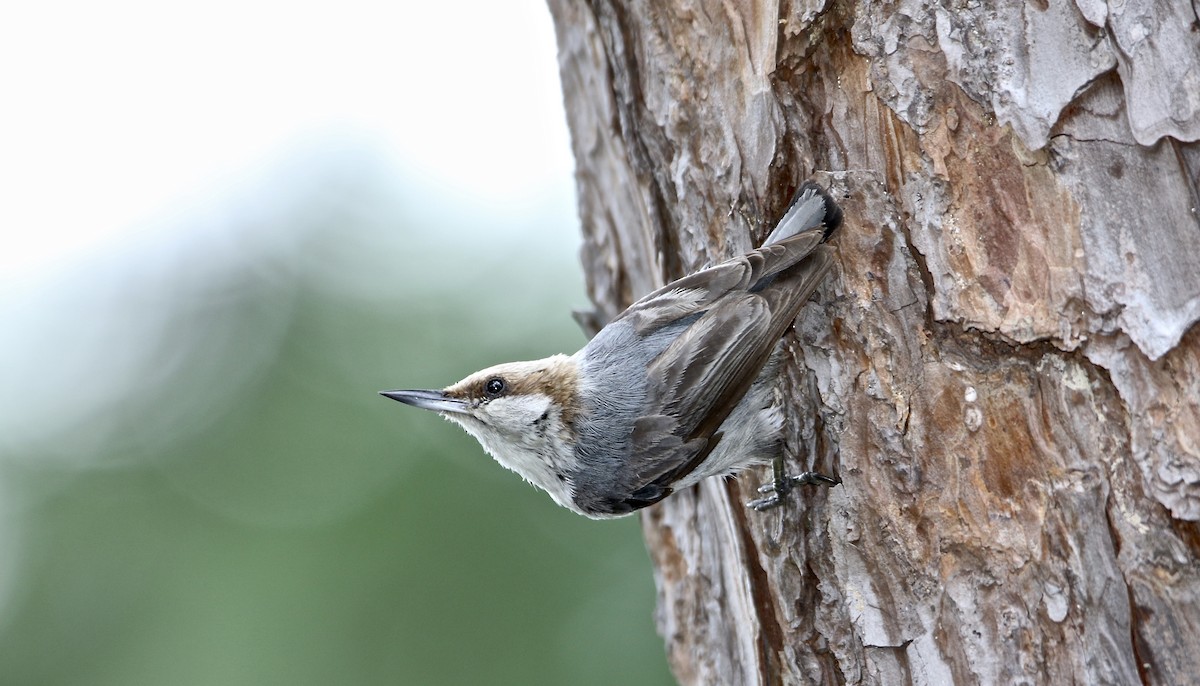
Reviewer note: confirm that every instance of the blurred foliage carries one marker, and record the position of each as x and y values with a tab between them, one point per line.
246	510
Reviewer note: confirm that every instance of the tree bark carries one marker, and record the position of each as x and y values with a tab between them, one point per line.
1003	368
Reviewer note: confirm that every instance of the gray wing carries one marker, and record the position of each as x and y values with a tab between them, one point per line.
697	292
741	309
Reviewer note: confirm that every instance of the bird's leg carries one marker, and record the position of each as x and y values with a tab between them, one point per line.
783	484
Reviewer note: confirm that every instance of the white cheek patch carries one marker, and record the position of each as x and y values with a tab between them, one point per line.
516	413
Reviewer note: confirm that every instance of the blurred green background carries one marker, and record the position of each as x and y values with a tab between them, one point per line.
198	482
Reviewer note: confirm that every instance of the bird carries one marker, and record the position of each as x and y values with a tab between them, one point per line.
679	387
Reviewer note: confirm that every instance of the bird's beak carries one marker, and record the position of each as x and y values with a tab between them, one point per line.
428	400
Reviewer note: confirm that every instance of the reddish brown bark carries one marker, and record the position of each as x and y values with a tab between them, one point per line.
1004	368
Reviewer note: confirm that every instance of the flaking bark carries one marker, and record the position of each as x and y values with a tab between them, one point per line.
1004	366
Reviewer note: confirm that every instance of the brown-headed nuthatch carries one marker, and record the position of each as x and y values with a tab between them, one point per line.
677	388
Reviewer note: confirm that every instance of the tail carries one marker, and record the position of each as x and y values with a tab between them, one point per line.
811	208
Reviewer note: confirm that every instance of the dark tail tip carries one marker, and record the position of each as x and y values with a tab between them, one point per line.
833	211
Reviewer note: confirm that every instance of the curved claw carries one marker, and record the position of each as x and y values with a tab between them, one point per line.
816	479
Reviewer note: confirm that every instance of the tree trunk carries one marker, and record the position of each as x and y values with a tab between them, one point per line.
1003	366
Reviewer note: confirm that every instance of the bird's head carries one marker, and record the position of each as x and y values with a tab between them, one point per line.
520	412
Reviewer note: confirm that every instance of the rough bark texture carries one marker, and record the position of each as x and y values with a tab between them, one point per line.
1004	368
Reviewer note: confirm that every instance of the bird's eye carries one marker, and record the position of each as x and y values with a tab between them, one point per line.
494	387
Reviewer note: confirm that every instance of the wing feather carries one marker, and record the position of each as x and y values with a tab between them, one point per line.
713	332
695	383
697	292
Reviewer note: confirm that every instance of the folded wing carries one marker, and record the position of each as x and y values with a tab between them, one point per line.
740	310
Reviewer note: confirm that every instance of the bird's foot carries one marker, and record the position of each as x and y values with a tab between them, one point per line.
776	492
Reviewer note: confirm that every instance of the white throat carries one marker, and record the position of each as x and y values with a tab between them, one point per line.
524	433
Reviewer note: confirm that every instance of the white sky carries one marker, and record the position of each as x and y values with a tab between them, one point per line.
116	111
